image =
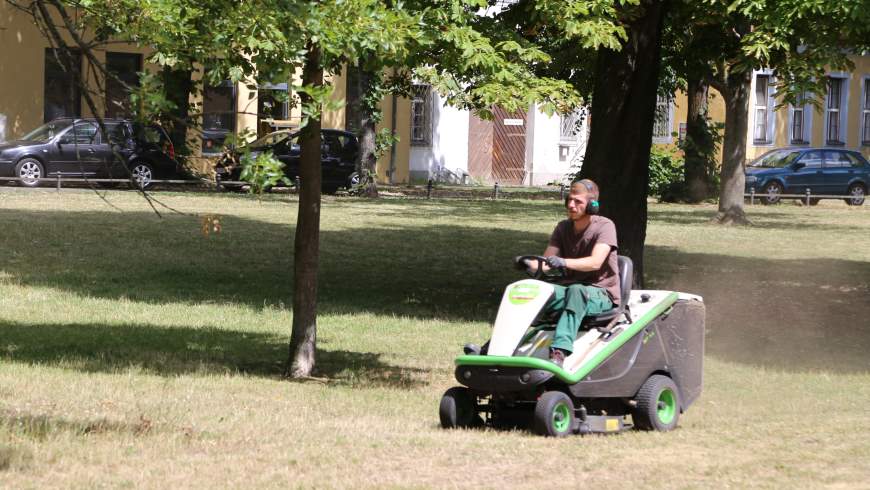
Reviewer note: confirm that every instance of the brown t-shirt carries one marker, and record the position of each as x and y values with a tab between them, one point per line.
574	246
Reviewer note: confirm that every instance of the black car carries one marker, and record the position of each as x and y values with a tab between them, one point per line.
339	150
77	148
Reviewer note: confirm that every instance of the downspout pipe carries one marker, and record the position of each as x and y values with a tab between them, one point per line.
392	169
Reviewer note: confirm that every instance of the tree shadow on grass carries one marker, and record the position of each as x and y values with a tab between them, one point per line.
173	351
474	209
785	314
450	272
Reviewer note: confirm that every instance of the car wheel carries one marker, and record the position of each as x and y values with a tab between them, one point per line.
142	174
353	180
857	192
772	193
29	170
554	414
658	404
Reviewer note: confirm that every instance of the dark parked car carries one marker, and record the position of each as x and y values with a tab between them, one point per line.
824	171
339	150
77	148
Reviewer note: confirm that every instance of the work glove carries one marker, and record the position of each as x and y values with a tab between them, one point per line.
556	262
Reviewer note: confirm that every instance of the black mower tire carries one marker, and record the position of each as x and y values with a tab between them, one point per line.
658	404
554	415
457	409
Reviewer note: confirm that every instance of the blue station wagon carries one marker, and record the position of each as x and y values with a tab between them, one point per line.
824	171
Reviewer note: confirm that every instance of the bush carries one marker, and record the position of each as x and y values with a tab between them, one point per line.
665	171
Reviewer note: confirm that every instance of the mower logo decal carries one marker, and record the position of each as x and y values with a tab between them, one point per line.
523	293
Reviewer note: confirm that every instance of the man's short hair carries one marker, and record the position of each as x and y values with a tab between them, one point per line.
586	186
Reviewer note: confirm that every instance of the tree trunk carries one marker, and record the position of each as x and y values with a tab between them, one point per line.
368	97
177	84
623	113
305	260
736	95
698	144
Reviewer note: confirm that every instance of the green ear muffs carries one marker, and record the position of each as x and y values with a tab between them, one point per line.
593	207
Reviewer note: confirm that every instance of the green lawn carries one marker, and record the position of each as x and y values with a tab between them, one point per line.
136	351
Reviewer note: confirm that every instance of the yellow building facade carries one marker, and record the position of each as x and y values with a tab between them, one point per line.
34	88
842	119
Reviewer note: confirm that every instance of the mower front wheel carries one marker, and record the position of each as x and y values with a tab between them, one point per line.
457	408
658	404
554	415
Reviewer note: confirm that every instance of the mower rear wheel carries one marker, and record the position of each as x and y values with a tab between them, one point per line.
554	414
457	408
658	404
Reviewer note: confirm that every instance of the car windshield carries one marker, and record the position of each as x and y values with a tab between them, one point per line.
269	140
776	159
46	132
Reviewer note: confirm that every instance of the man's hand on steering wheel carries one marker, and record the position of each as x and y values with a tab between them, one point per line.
556	262
537	266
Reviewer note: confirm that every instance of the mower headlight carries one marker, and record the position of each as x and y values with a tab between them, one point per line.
466	374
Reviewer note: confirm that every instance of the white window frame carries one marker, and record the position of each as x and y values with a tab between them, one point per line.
767	107
570	126
806	111
842	110
864	135
664	139
421	115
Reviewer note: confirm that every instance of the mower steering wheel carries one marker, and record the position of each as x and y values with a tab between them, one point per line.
537	273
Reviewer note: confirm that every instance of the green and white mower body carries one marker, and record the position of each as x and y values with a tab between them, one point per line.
647	364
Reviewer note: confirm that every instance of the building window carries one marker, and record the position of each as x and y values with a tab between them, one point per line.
272	106
571	124
353	98
122	77
218	115
421	115
62	94
800	115
834	113
763	130
663	120
865	114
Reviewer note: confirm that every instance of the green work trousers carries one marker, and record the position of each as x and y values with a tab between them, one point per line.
575	302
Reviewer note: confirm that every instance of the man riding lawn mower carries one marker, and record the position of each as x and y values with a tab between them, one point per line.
581	358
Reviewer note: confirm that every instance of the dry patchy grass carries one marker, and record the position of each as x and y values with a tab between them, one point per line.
135	351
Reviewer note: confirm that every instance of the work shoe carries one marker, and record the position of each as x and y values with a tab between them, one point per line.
471	349
557	356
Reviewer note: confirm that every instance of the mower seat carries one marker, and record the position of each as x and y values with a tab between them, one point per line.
626	273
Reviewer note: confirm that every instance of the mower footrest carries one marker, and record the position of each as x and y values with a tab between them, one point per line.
601	424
